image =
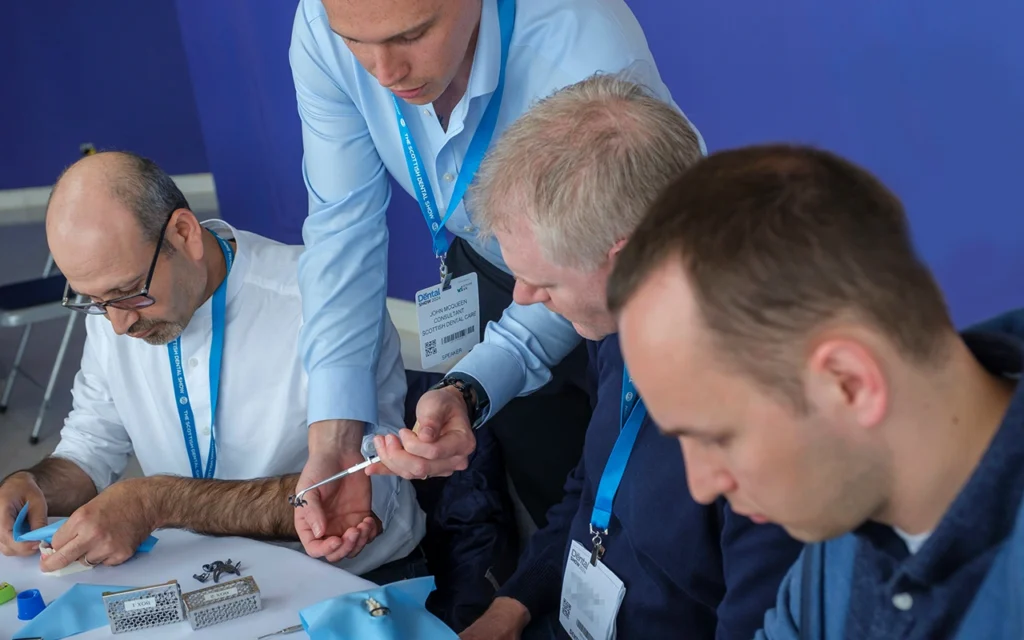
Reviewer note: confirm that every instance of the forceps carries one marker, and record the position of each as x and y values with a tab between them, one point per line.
297	501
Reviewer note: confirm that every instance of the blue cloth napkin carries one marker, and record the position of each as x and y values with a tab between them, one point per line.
80	609
347	617
22	534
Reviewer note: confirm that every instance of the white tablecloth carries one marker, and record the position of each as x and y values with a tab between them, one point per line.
288	581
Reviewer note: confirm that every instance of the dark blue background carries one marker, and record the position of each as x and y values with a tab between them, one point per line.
926	93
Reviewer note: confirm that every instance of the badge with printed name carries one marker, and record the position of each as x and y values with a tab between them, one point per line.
449	320
591	597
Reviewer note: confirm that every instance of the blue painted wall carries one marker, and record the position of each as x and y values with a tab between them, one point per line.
238	56
927	93
112	73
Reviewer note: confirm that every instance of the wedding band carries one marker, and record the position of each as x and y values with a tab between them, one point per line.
86	562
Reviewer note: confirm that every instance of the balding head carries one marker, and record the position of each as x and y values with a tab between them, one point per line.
103	220
113	192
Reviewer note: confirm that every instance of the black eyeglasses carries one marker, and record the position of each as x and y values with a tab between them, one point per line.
131	302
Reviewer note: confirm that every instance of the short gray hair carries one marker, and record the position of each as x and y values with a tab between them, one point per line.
148	192
582	166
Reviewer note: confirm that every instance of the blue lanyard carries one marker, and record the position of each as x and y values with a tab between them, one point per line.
474	154
632	414
188	421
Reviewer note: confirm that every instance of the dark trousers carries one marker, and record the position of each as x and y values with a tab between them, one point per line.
411	566
541	435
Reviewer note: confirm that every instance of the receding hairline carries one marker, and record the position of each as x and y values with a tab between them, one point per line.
604	117
109	168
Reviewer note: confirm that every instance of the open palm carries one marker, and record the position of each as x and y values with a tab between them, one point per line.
338	520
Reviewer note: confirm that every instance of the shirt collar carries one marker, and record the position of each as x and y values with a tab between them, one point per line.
239	266
985	511
483	77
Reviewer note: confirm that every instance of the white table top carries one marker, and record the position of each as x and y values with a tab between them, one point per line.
288	581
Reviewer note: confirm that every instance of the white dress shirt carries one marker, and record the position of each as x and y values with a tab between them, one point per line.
124	398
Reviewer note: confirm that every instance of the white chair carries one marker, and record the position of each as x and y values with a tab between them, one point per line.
23	304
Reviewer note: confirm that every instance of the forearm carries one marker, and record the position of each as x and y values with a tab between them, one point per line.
342	438
250	508
64	484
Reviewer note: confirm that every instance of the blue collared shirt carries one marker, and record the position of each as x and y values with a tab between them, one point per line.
351	142
896	594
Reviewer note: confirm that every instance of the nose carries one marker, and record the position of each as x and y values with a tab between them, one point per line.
526	294
121	320
705	477
389	68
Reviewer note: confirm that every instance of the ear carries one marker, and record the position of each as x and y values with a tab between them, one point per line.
846	382
616	249
185	233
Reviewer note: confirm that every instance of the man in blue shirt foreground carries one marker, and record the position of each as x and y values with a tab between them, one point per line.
776	319
562	191
415	90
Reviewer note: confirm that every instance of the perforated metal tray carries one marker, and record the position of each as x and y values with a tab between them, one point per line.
144	608
222	602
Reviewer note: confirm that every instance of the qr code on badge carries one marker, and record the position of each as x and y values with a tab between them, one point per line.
566	607
431	347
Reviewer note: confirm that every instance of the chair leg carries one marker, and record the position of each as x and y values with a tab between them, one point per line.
9	384
34	439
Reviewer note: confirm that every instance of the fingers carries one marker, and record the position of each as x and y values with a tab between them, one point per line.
37	513
452	443
378	469
437	410
349	541
325	548
19	548
18	490
355	540
310	523
64	553
312	513
442	458
8	546
426	431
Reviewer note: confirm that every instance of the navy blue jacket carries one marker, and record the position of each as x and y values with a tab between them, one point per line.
690	570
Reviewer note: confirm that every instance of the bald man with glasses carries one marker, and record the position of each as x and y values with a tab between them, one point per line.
210	397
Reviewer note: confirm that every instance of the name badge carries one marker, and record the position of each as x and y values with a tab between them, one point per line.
449	320
591	597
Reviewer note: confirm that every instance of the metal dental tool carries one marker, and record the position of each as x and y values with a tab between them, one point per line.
283	632
297	501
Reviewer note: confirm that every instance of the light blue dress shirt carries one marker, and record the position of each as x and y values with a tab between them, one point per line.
351	142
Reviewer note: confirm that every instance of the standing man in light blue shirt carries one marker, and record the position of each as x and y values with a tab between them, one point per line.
418	89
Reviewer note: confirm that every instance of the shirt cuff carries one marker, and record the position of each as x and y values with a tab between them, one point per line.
499	374
538	587
342	393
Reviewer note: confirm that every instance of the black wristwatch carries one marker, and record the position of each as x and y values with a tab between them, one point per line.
474	395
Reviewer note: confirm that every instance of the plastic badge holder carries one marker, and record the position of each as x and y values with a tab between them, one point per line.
222	602
144	608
